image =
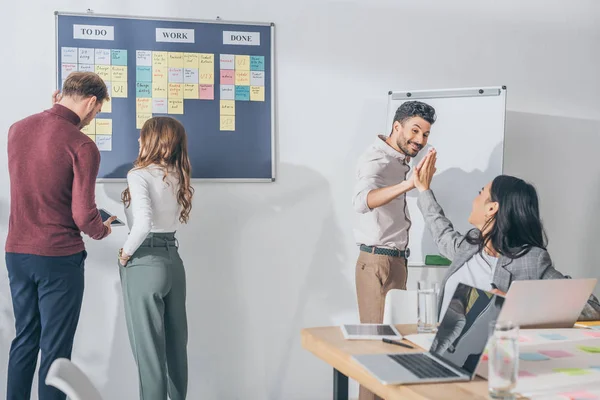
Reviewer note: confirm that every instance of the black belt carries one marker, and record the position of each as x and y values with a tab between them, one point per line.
384	251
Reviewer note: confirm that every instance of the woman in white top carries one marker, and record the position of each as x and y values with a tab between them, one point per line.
157	199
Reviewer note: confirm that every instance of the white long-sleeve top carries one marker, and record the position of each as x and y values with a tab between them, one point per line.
153	206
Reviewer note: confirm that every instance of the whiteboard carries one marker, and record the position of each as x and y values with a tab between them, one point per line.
469	138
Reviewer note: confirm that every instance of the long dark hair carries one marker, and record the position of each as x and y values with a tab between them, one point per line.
516	227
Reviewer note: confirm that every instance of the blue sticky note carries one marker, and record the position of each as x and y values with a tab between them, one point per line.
257	63
553	336
242	93
533	357
143	74
596	367
119	57
143	89
595	327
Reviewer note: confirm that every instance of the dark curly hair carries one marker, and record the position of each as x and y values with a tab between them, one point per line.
411	109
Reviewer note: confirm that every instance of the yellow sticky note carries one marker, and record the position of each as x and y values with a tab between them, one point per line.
227	107
257	93
118	73
160	74
175	60
207	78
143	105
242	63
140	119
191	60
160	89
175	91
207	62
103	71
242	78
90	129
227	123
107	106
190	91
159	58
119	89
175	106
103	126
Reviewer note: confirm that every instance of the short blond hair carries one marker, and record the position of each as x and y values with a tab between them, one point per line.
85	84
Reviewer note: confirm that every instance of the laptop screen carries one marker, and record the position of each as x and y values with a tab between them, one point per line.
463	332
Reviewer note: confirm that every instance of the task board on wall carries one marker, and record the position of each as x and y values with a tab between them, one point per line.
215	77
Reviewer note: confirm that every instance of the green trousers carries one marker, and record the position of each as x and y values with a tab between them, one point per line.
153	283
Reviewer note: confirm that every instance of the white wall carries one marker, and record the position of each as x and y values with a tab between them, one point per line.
265	260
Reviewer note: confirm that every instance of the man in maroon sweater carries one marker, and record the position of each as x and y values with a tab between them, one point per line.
53	168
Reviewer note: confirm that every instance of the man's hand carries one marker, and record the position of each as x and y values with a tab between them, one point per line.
411	180
499	292
108	222
56	97
426	169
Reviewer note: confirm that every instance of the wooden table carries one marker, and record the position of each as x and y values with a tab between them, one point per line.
329	345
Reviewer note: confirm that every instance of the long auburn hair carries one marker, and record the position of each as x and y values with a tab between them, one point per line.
517	227
163	142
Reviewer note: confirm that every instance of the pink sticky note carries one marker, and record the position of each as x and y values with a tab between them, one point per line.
592	334
207	92
555	353
523	339
579	395
227	77
485	357
525	374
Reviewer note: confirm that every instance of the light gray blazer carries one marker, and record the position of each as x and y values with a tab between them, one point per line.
536	264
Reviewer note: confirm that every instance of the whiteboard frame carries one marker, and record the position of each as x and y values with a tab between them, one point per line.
218	20
447	93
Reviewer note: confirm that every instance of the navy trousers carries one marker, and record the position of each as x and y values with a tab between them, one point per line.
46	295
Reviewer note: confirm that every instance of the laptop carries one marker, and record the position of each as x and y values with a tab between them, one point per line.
550	303
456	349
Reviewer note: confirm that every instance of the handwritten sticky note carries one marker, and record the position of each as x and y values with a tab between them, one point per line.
525	374
118	73
159	59
143	89
68	55
572	371
553	336
140	119
257	63
103	71
175	60
143	106
68	69
556	353
86	56
175	75
207	63
592	334
589	349
207	78
143	74
143	58
227	123
257	93
227	107
257	78
191	91
106	106
227	77
160	89
242	63
104	142
175	106
103	126
102	57
227	61
90	129
580	395
160	74
242	93
191	60
159	106
227	92
207	92
533	357
242	78
175	91
119	89
190	75
86	68
118	57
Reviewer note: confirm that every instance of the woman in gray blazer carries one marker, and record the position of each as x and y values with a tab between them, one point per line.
507	244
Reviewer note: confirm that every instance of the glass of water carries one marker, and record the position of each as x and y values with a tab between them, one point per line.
503	355
427	296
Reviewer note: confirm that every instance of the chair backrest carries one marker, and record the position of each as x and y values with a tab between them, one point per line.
400	307
69	379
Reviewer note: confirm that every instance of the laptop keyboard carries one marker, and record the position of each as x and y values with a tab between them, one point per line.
422	366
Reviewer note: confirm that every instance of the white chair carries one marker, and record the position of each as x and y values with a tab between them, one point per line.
69	379
400	307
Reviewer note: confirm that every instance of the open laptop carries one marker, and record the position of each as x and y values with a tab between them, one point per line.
456	349
547	303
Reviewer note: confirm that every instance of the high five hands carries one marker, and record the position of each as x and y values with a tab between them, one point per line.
425	170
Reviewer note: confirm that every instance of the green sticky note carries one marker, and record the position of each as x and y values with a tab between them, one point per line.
572	371
590	349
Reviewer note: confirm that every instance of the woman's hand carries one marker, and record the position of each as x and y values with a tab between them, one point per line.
425	171
123	258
